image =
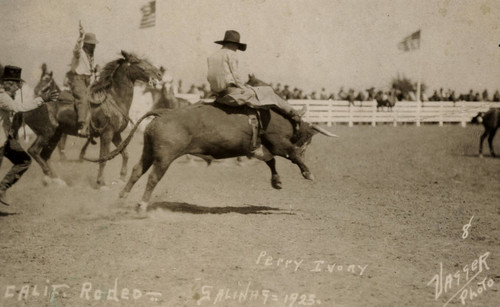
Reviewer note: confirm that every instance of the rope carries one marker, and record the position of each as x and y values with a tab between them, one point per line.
23	123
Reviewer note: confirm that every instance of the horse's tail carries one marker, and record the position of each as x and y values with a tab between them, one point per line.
125	143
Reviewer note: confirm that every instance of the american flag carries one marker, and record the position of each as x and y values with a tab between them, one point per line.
148	15
411	42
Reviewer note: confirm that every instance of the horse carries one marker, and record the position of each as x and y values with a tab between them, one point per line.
47	82
164	98
491	122
214	131
112	97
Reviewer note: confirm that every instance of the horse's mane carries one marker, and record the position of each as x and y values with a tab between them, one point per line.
106	78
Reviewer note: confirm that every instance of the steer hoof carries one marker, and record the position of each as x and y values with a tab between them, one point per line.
141	210
308	175
123	194
276	182
60	182
141	207
481	156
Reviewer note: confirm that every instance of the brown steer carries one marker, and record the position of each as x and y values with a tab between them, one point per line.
213	131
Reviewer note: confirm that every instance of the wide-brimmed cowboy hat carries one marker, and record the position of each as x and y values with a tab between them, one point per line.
232	36
12	73
89	38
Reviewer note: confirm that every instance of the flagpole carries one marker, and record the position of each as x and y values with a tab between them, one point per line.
156	39
419	81
419	70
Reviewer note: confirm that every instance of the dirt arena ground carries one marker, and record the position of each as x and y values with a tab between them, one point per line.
388	206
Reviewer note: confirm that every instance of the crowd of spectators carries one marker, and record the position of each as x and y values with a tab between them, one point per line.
286	92
371	93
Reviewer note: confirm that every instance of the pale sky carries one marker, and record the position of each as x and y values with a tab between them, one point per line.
307	44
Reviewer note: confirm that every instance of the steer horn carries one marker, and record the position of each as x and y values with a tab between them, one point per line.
324	131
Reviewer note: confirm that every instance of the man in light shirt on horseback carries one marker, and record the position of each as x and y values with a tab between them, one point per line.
83	69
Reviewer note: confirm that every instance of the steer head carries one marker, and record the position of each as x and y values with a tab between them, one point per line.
303	137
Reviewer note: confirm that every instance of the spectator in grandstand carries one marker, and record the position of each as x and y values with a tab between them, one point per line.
278	89
486	95
435	96
361	96
453	97
496	96
286	94
301	94
341	95
350	96
323	95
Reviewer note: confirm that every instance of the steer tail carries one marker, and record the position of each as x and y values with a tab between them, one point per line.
125	143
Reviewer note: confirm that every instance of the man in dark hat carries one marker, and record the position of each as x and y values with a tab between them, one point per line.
225	80
10	82
83	68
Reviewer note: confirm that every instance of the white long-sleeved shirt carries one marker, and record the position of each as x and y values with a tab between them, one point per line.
8	106
81	64
223	70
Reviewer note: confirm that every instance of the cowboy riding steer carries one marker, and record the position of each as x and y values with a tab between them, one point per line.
215	131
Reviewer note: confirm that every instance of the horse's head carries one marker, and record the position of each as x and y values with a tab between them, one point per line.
46	82
141	69
253	81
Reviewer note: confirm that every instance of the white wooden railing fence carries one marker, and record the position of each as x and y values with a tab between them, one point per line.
331	112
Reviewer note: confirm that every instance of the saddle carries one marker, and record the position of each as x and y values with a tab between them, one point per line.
254	120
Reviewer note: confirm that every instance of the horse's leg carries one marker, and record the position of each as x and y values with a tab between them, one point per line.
61	146
481	140
140	168
490	142
35	150
275	178
117	139
47	151
84	149
104	150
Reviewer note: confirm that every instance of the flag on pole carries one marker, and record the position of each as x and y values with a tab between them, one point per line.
411	42
148	15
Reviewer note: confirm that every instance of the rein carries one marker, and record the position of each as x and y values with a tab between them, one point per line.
125	115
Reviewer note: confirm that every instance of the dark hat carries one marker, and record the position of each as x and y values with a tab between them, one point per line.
89	38
12	73
232	36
